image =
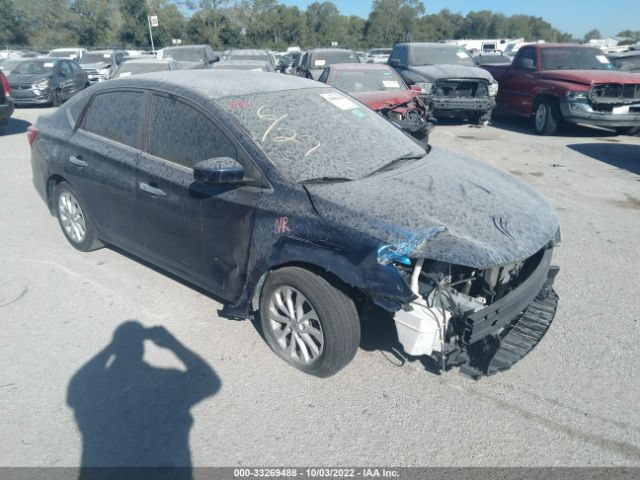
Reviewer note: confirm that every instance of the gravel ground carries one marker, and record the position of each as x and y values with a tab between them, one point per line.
572	402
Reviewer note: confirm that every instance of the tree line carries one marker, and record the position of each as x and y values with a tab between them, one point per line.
44	24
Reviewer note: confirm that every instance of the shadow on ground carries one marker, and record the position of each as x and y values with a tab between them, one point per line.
14	126
626	157
131	414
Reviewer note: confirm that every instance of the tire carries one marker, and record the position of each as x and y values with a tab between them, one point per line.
631	131
56	101
330	321
547	117
72	217
482	120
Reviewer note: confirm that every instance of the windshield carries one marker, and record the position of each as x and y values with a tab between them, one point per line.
252	55
184	54
96	58
574	58
353	81
9	64
319	133
128	69
322	59
63	53
380	51
440	55
33	67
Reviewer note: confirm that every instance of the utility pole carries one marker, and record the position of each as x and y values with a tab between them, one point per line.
153	49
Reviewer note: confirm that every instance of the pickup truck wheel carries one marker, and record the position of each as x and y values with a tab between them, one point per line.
307	322
547	118
631	131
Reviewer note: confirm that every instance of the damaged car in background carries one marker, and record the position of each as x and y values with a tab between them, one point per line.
287	199
451	83
381	89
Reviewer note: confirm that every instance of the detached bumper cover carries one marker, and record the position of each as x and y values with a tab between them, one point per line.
579	112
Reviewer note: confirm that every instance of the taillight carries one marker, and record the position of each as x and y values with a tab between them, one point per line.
5	84
32	134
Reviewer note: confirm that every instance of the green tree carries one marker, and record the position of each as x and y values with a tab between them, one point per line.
392	21
134	30
592	35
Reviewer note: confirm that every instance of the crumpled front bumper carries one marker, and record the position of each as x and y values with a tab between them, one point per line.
458	106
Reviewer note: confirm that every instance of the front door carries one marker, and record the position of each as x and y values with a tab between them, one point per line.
199	232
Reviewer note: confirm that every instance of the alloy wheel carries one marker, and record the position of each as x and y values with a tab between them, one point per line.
71	217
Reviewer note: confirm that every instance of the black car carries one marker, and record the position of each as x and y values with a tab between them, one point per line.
286	197
46	81
452	84
313	62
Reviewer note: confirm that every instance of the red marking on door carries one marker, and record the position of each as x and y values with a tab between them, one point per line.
235	104
281	225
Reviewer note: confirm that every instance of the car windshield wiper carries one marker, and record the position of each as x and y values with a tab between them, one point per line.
326	180
393	163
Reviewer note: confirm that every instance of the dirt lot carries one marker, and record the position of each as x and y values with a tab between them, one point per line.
572	401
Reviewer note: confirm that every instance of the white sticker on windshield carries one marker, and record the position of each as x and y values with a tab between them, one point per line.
339	101
125	74
320	63
602	59
390	84
461	54
48	65
106	55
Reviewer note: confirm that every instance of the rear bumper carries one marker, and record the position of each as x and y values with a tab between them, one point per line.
6	109
577	112
458	106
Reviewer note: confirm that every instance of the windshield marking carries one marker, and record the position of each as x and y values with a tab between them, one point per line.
283	138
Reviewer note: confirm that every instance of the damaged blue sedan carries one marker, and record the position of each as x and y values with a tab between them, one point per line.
290	200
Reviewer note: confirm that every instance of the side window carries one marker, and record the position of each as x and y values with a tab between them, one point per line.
527	59
65	68
114	115
404	56
303	61
181	134
75	67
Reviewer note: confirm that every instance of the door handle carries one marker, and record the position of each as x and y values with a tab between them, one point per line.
78	161
152	190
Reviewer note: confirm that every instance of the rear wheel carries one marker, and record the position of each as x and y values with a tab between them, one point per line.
631	131
547	117
307	322
75	224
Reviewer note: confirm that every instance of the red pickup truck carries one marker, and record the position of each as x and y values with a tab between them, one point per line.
555	83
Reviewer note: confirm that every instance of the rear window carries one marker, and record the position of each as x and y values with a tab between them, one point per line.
127	69
89	58
114	115
353	81
322	59
248	55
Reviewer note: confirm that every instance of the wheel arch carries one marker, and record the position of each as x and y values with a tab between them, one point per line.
52	181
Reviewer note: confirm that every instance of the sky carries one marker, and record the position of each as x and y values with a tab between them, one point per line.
576	17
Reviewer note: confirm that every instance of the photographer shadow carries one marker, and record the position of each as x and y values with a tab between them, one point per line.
131	414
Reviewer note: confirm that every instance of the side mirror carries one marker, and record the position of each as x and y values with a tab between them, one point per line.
218	170
214	59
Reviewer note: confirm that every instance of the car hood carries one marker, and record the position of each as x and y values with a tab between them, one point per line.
95	66
385	99
446	207
26	78
589	77
435	72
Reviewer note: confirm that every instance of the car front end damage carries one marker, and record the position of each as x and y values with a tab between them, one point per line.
481	320
403	108
460	97
612	105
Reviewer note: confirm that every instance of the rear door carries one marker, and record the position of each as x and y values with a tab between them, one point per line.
101	160
199	232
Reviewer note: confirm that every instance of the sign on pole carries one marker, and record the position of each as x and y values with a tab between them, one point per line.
154	20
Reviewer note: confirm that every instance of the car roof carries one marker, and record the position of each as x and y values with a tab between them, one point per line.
219	83
429	44
185	47
247	51
359	66
148	60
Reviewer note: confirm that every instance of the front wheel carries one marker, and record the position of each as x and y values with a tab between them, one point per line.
73	220
308	322
547	118
631	131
